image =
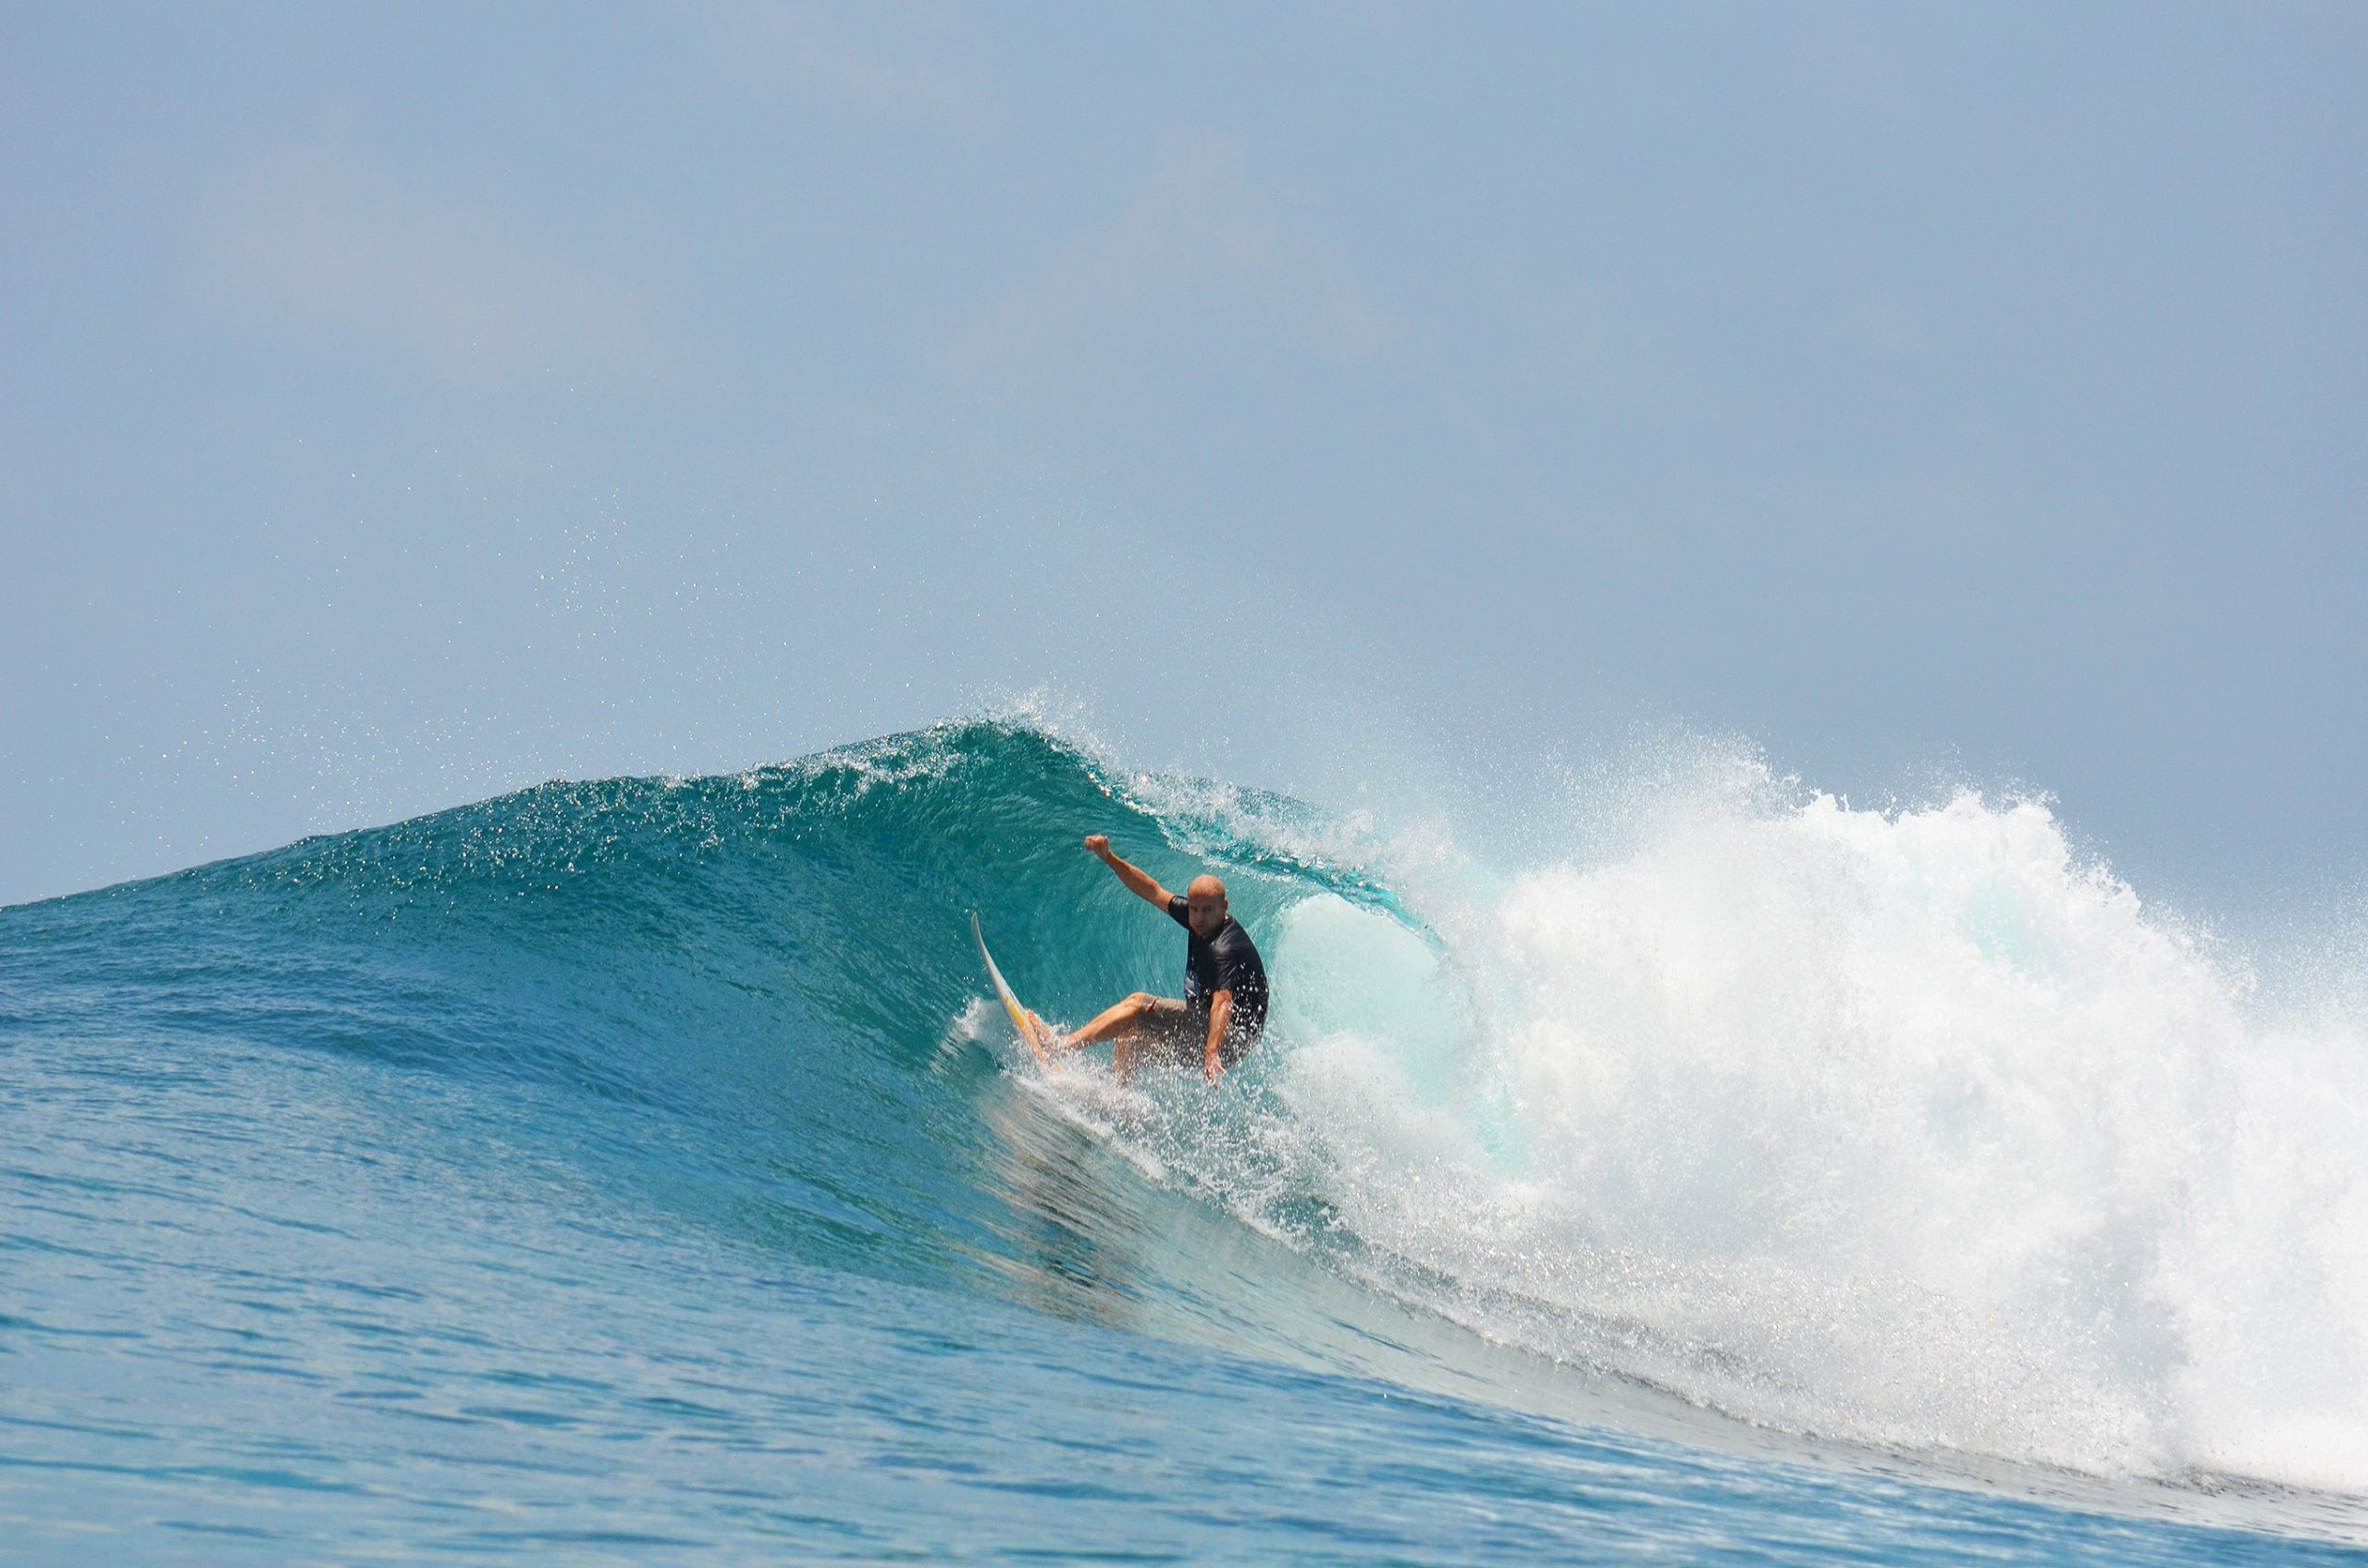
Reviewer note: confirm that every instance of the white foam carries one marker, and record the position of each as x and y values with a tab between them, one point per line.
1905	1127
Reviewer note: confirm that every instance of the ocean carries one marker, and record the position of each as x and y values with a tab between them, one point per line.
637	1171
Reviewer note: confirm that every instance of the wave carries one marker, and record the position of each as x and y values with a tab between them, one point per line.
1910	1127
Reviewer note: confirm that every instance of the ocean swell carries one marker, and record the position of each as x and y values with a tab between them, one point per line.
1910	1127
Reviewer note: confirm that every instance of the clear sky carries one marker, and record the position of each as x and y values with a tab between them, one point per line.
398	404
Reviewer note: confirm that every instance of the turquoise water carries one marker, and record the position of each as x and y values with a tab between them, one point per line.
632	1171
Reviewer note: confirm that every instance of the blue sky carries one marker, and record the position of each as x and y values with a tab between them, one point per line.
402	404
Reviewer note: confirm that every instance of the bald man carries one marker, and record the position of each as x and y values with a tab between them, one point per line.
1224	1009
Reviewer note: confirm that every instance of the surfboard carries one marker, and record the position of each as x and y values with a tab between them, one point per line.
1021	1020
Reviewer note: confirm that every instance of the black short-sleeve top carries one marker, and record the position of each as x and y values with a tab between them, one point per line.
1227	961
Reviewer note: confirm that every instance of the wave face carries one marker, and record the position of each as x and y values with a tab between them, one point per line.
1906	1129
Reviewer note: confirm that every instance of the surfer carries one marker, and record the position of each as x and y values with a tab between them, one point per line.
1223	1011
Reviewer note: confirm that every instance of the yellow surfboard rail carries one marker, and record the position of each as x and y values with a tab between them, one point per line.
1021	1018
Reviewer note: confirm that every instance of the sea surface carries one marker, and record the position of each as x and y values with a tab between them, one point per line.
635	1171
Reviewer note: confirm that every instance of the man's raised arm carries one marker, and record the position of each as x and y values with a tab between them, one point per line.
1139	882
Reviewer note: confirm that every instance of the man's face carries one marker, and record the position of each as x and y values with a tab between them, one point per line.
1206	911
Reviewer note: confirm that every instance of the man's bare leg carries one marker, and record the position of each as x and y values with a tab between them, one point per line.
1115	1023
1118	1023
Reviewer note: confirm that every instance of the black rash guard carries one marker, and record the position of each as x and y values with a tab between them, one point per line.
1224	962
